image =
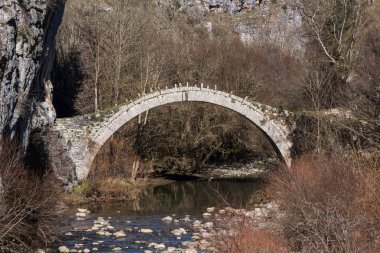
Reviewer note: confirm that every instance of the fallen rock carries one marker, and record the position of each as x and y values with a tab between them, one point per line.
63	249
160	246
190	251
209	224
179	231
146	230
119	234
139	242
207	215
167	219
83	210
197	223
152	245
171	249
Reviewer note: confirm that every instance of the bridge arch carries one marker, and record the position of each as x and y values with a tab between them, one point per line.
271	122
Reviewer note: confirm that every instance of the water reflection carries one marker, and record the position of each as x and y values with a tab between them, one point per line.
179	200
193	196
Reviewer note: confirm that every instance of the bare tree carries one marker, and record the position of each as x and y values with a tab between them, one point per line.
28	204
335	25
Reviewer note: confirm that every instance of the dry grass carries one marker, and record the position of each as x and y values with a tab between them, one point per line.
371	197
250	240
28	204
117	174
118	159
237	234
330	202
106	189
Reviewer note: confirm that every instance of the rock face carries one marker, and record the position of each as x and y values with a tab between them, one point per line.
27	33
273	22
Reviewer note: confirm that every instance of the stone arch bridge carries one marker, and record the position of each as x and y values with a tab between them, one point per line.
74	142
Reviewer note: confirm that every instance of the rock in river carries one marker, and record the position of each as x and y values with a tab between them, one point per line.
160	246
63	249
207	215
167	219
146	230
81	214
119	234
83	210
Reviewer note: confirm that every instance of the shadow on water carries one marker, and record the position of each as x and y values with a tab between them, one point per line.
192	197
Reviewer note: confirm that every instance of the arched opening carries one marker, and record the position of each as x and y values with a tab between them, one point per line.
259	115
183	138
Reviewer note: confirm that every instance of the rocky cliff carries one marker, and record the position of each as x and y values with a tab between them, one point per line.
27	32
275	22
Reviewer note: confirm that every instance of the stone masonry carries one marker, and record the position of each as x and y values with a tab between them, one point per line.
76	141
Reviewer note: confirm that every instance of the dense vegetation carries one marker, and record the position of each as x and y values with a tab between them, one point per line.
109	51
330	196
29	203
135	48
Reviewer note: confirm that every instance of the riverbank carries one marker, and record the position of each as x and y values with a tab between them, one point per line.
237	219
161	220
171	217
239	230
113	189
256	169
110	190
179	232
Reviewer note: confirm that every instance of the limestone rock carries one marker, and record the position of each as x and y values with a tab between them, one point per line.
207	215
28	29
146	230
167	219
119	234
63	249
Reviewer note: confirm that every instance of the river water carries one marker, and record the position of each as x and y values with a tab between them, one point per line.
183	201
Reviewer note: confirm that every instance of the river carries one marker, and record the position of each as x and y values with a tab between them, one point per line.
182	201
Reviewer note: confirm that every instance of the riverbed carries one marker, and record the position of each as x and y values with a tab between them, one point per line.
159	221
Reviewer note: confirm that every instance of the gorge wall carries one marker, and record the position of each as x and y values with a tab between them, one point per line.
27	34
